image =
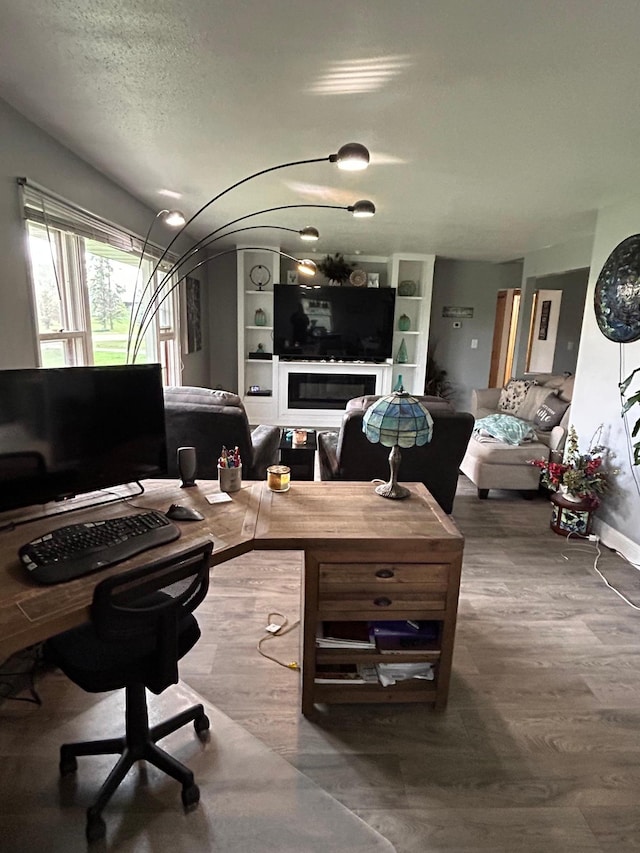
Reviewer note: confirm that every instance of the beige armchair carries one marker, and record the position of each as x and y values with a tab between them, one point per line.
493	465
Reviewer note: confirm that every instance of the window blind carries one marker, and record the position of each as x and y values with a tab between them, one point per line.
44	207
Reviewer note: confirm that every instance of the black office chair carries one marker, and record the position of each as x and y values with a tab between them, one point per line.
141	625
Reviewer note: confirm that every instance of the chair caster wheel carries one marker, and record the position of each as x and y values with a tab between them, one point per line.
190	797
68	763
96	828
201	725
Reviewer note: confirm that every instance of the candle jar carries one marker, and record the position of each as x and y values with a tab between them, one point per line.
279	478
299	437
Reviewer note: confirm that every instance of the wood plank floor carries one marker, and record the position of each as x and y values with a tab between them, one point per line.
539	749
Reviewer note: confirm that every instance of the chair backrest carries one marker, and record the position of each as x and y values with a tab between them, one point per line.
207	420
151	606
435	464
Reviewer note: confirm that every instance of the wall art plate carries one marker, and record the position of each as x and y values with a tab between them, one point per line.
617	295
358	278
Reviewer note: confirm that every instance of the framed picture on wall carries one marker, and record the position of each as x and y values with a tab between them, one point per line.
194	315
545	311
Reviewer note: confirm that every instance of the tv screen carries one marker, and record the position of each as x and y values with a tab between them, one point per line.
324	322
70	430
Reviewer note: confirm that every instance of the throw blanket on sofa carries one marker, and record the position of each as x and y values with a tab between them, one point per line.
503	428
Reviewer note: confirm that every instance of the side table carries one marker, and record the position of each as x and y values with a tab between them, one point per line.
570	516
301	457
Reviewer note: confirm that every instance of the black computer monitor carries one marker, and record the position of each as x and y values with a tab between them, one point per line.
71	430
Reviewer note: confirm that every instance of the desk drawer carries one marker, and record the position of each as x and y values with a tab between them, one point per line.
380	575
382	587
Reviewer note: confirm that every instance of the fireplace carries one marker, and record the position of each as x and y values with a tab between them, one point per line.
327	390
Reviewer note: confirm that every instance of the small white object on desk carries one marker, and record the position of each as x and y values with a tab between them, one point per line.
218	497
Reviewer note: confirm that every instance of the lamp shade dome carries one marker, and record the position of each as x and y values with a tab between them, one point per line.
398	420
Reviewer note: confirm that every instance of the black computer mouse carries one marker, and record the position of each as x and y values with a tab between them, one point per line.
177	512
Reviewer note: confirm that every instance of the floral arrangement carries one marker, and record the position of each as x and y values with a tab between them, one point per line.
335	268
581	474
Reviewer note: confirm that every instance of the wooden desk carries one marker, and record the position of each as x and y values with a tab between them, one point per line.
30	613
366	558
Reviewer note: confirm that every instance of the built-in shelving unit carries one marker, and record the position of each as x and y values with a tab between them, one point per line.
419	269
256	372
270	375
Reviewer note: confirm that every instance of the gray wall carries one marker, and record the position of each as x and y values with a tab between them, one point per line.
223	323
574	291
29	152
471	284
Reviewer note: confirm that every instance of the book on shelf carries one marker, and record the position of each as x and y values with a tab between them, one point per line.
404	636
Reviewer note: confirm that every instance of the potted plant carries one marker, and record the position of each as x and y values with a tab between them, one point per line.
335	268
627	403
580	476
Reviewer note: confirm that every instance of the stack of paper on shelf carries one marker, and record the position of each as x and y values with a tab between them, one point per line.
345	635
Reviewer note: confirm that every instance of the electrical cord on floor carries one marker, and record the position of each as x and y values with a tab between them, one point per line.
594	545
278	626
12	681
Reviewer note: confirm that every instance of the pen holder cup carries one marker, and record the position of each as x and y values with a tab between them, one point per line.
230	479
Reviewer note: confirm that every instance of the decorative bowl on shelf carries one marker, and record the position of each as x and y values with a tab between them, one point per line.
358	278
407	288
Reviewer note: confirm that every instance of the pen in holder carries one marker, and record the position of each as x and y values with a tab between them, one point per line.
229	470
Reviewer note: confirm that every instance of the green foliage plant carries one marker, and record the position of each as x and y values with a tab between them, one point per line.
630	399
336	268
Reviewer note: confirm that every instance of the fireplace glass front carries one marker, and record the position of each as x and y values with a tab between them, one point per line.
327	390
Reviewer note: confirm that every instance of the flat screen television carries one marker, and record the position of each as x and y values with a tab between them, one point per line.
324	322
71	430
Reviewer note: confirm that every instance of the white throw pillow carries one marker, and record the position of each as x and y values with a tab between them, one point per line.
513	394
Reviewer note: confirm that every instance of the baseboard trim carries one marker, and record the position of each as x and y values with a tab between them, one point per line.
612	538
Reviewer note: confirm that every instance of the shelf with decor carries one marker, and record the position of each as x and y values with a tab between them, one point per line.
257	270
412	277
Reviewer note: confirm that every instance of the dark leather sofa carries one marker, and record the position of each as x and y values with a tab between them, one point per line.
207	420
349	455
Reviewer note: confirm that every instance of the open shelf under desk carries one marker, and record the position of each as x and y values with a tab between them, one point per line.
412	690
329	656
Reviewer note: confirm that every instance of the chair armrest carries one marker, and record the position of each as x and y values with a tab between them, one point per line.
265	440
328	455
484	398
557	439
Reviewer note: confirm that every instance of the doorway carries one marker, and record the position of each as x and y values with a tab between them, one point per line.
504	337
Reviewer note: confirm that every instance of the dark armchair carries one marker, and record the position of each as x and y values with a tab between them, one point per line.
207	420
349	455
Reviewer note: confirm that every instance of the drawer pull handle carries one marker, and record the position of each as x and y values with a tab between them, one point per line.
385	573
382	602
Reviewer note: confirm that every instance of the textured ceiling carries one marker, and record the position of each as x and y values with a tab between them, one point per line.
496	127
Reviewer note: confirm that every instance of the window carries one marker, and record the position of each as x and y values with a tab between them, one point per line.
89	308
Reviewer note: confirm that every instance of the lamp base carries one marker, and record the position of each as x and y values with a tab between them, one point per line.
392	490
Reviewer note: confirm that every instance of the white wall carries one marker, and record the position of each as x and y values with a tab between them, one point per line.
597	400
29	152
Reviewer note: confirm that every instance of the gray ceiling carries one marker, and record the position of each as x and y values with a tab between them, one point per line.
496	127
